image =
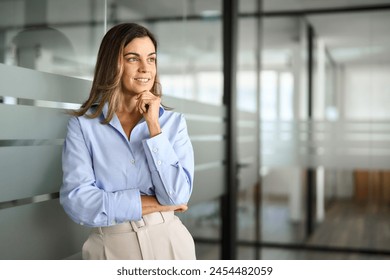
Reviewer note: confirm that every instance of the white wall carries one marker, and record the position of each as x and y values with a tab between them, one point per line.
367	90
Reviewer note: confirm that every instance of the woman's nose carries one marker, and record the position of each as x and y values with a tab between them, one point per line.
144	67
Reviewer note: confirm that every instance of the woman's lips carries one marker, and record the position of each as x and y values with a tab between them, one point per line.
142	80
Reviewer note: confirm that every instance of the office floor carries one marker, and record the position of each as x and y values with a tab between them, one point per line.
347	224
355	225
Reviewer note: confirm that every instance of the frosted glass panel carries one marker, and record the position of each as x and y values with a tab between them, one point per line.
343	144
33	85
30	122
39	231
26	171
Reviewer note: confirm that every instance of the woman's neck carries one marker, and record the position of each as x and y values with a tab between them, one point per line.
128	104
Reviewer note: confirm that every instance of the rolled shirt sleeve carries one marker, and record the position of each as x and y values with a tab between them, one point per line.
171	162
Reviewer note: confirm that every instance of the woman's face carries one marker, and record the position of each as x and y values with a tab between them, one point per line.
139	66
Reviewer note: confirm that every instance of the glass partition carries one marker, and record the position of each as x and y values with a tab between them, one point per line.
325	128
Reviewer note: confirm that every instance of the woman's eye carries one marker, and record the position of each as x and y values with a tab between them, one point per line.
132	59
151	59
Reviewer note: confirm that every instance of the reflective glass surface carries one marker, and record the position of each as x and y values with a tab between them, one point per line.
342	141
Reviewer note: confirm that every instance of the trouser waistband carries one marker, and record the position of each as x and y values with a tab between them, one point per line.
134	226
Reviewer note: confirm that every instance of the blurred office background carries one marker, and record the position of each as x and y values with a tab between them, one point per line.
287	103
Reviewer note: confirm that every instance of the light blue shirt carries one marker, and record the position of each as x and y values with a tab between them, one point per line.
104	173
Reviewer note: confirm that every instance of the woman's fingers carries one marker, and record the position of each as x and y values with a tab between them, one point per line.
181	208
145	100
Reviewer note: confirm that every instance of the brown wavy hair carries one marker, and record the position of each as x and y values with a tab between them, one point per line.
106	84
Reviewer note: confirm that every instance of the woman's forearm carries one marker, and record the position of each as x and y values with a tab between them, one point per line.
151	205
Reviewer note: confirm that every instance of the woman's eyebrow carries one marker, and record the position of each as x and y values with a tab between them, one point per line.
137	54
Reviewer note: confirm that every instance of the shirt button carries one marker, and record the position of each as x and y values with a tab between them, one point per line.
155	150
81	223
132	161
159	162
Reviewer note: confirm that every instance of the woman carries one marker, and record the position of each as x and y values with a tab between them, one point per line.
127	162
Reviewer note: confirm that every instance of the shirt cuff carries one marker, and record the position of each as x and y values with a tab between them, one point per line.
126	207
160	152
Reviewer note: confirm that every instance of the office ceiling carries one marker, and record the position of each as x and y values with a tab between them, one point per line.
178	7
355	37
296	5
349	37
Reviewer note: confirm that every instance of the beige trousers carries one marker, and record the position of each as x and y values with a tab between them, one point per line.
157	236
